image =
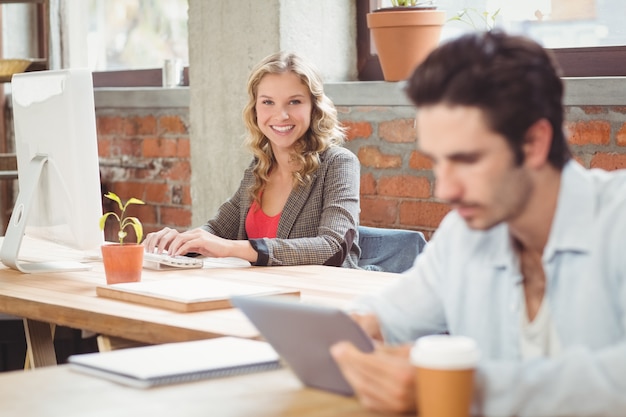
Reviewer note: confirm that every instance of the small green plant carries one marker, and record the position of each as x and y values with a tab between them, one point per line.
123	221
478	20
406	3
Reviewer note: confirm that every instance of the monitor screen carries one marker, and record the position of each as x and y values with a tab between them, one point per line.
59	196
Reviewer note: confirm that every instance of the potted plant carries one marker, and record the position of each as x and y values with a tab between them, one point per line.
404	34
123	261
476	19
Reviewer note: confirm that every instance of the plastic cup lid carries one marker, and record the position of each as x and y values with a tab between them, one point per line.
445	352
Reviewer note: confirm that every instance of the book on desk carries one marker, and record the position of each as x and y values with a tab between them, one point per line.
172	363
188	294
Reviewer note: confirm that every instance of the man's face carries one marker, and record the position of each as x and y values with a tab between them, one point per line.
474	166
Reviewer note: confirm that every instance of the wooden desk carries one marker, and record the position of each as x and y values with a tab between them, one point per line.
69	299
60	392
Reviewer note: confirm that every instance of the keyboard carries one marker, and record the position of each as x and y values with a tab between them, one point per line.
165	261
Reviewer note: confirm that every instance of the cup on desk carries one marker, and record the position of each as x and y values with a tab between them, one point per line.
444	367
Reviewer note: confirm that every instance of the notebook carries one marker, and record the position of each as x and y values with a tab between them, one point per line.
187	294
303	334
171	363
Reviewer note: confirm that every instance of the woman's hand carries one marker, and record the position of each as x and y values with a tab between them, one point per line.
158	242
198	241
383	380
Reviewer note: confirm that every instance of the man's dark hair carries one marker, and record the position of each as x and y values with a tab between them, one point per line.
512	79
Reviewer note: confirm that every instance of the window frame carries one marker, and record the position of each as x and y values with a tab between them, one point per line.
595	61
151	77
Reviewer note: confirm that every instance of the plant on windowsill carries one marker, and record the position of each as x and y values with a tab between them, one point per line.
404	34
123	262
476	19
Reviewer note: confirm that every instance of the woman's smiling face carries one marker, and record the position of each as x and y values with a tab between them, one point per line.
283	109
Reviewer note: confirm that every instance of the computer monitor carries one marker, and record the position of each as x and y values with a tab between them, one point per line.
59	197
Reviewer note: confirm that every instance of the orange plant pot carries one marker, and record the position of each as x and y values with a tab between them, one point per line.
404	38
122	263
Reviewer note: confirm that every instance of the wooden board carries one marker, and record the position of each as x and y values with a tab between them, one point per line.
188	294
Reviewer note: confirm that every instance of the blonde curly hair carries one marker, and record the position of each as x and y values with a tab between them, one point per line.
324	131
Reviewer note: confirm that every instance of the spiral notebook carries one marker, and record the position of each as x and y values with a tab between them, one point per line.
172	363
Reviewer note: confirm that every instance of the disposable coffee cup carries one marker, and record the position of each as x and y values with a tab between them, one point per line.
444	369
172	73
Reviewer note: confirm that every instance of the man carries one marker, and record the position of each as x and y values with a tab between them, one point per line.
531	262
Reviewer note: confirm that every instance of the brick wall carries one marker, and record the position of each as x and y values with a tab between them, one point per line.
145	154
397	182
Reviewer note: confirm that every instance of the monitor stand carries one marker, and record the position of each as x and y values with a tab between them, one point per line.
17	225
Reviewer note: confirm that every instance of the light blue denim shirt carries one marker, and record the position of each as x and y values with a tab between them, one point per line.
468	282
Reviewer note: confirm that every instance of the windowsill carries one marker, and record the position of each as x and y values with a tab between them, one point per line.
141	97
600	91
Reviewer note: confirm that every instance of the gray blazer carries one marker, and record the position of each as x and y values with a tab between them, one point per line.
318	225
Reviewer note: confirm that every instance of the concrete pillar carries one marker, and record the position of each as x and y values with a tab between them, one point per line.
226	39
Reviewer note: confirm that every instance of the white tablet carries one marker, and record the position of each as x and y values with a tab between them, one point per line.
302	334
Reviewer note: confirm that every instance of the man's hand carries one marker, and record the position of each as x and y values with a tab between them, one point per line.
383	380
369	323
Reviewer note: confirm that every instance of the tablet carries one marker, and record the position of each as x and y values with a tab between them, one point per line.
302	335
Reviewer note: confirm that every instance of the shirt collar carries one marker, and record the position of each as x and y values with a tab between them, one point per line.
574	220
572	224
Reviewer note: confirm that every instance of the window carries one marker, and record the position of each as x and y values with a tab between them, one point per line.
135	34
125	42
587	36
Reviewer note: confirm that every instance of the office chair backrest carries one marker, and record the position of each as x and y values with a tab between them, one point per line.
389	250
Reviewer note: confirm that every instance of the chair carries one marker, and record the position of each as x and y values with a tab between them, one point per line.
389	250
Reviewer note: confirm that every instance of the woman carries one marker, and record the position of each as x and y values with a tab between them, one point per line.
298	202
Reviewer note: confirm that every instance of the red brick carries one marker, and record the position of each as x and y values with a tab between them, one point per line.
127	189
356	130
422	213
419	161
159	147
181	195
398	131
140	125
146	214
104	147
368	184
620	137
608	161
595	132
619	109
404	186
149	228
109	125
126	147
175	217
183	147
171	124
379	211
180	170
157	193
371	156
594	109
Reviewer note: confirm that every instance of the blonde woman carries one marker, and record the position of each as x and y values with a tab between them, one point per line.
298	201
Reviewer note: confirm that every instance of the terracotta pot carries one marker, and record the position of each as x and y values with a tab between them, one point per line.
403	38
122	263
